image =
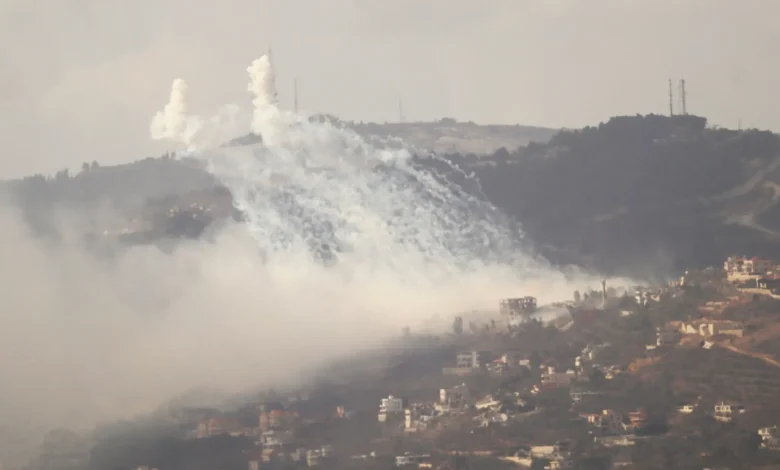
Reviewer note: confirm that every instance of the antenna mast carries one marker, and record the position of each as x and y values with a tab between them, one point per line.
682	97
671	99
271	63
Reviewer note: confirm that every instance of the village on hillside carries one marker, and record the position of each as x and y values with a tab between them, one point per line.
687	372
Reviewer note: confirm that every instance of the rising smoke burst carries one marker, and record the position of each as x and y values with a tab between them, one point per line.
321	203
172	122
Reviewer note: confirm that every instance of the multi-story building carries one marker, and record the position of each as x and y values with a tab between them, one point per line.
468	360
517	309
743	268
454	398
217	426
390	406
277	419
770	438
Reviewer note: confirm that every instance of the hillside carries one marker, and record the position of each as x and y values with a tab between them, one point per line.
450	136
642	192
636	195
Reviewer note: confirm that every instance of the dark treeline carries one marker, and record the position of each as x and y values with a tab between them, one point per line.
636	194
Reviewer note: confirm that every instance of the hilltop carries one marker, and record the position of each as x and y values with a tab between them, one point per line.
635	195
450	136
642	192
446	135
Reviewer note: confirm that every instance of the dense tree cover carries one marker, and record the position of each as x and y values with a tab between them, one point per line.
171	454
635	193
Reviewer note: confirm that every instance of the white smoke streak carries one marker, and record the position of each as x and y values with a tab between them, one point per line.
266	111
263	83
173	123
390	237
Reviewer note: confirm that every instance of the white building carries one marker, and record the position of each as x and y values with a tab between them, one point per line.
686	409
390	405
724	412
770	439
486	403
454	398
468	360
740	268
713	328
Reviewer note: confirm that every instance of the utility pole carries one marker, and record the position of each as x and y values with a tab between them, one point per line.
671	99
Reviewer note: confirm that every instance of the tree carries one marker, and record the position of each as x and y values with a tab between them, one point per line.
62	175
596	377
457	326
577	297
84	167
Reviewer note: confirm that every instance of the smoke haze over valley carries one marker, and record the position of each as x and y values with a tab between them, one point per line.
175	219
341	245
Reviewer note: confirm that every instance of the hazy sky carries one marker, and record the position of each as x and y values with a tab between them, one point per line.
80	79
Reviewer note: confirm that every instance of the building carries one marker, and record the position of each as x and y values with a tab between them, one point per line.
418	416
217	426
708	329
314	457
517	309
666	337
686	409
487	403
606	421
770	438
407	460
454	398
277	419
468	360
390	406
275	439
551	376
740	268
515	359
724	412
591	351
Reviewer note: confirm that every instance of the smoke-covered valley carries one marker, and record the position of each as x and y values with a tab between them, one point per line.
338	245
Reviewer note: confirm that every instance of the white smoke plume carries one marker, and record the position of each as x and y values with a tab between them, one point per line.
173	122
262	83
342	245
266	113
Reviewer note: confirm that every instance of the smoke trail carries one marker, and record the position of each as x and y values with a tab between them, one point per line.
262	83
392	233
173	123
263	88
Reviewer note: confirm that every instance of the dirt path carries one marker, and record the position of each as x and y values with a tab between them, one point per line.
760	356
749	185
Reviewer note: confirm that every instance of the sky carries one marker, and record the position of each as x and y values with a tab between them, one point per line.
81	79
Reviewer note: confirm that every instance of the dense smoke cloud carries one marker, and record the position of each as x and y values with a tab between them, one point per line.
171	123
341	247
